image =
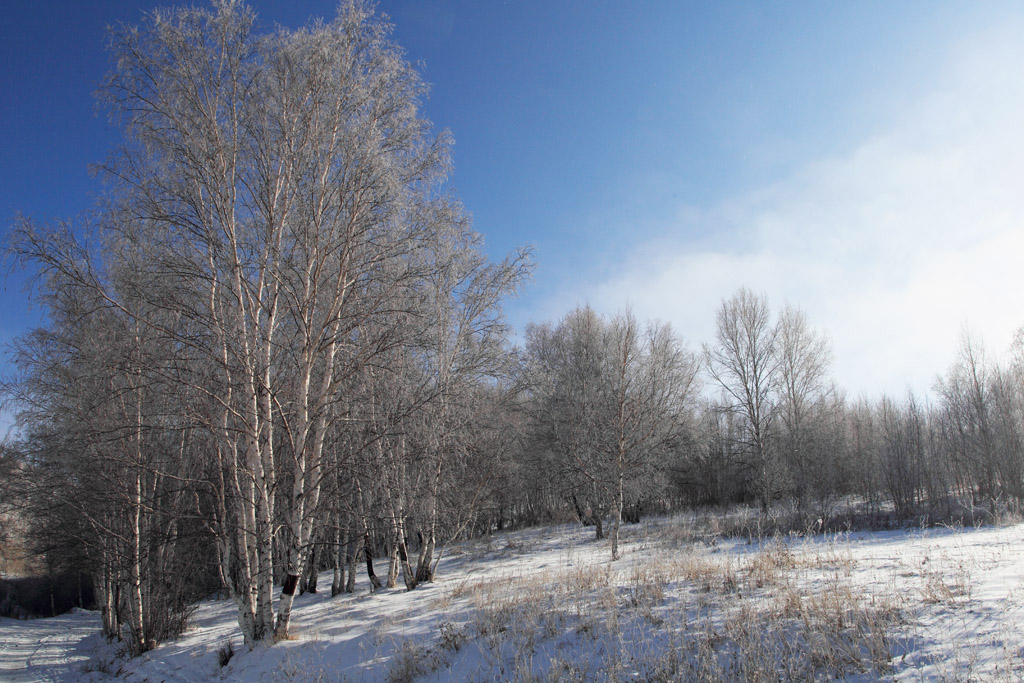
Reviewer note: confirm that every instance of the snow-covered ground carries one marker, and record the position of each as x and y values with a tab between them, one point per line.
940	604
53	649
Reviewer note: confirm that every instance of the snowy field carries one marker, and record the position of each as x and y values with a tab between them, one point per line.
547	604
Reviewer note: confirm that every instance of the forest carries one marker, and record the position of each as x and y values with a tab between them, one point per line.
277	348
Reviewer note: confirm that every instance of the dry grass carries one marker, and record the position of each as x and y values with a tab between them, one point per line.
944	581
686	604
412	661
664	619
709	575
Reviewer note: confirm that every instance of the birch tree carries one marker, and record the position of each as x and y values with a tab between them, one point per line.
291	177
803	360
610	401
744	362
107	460
464	347
567	375
276	203
651	385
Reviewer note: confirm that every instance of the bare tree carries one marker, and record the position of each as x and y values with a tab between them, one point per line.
652	386
981	410
10	469
611	402
108	462
291	178
744	362
711	468
803	360
567	374
275	206
966	392
902	451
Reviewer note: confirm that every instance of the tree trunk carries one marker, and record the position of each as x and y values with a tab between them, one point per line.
403	553
617	520
424	569
107	591
352	551
291	580
368	552
136	610
425	566
337	562
313	570
392	564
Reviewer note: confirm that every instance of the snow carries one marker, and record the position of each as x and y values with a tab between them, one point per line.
53	649
550	602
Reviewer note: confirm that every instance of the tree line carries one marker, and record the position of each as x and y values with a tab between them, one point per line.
276	348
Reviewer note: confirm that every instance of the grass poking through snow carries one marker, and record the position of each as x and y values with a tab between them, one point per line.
683	603
670	613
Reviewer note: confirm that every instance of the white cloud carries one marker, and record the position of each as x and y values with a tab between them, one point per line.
890	249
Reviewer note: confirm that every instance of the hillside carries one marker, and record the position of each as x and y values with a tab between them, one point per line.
548	604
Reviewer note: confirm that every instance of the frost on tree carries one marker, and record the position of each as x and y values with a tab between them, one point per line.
276	230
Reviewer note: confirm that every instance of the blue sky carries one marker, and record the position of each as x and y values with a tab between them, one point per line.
860	160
